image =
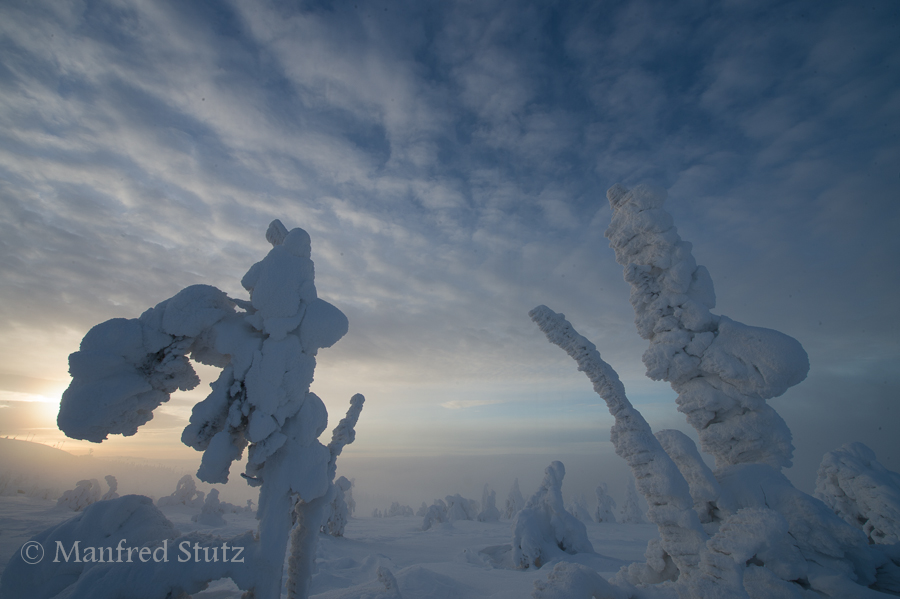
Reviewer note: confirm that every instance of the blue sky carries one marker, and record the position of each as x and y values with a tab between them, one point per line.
450	162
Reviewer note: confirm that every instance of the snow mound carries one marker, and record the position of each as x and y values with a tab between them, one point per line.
132	519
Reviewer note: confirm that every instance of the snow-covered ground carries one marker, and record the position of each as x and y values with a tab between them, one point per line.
444	562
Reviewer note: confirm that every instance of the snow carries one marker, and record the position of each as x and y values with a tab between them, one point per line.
441	563
853	483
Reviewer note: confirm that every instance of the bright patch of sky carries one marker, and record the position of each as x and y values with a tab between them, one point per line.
450	161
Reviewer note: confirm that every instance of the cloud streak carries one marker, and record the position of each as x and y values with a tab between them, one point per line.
450	163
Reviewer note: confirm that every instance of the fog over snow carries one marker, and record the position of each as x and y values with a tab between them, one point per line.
450	162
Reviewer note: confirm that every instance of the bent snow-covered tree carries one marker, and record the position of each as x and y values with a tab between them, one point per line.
266	347
742	530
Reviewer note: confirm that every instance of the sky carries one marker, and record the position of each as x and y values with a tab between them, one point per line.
450	162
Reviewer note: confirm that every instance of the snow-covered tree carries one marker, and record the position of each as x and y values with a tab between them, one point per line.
436	514
761	537
267	349
722	370
543	529
113	486
631	510
605	505
84	494
661	483
339	511
578	508
397	509
460	508
211	512
489	511
185	493
854	484
514	501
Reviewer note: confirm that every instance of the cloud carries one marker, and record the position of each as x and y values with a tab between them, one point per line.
450	163
462	404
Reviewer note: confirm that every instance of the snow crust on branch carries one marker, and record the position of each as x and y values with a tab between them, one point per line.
656	475
543	528
722	370
854	484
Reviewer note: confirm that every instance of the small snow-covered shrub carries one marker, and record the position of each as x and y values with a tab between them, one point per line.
338	511
489	511
460	508
398	510
185	493
84	494
211	513
113	486
436	514
543	529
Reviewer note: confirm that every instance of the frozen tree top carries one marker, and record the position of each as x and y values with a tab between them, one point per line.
722	370
126	368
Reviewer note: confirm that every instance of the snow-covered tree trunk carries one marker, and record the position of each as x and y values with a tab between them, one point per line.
657	476
310	515
722	370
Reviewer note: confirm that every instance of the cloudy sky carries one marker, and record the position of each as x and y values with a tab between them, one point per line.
450	162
